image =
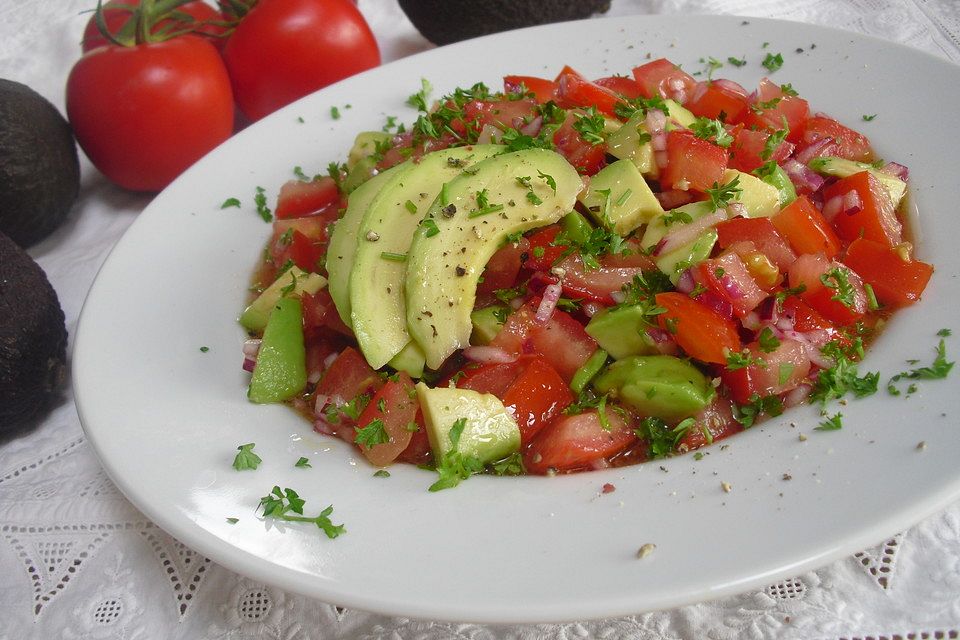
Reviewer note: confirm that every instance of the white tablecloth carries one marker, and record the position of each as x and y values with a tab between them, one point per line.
78	561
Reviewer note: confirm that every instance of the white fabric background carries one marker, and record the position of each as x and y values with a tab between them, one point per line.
78	561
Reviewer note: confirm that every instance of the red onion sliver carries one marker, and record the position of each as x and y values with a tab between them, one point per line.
735	209
661	159
832	207
896	170
730	85
818	148
488	355
803	176
551	294
797	396
852	204
251	347
689	232
618	296
532	128
249	364
655	121
591	309
686	282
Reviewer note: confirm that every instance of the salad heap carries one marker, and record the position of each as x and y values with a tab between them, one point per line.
574	274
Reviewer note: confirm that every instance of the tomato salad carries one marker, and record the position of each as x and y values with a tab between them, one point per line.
768	252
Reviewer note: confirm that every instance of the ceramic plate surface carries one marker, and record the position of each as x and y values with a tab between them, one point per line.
166	418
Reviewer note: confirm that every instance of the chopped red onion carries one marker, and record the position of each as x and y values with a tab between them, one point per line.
489	134
618	296
251	347
685	233
731	287
488	355
896	170
591	309
818	148
735	209
661	158
805	178
718	304
751	321
548	304
730	85
832	207
768	311
852	204
249	364
532	128
686	283
797	396
700	89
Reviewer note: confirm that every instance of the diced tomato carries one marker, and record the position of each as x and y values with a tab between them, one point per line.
562	341
749	149
621	85
692	163
847	143
502	268
895	281
399	409
574	90
543	90
543	253
673	198
716	100
587	158
348	376
502	114
876	220
772	108
716	419
808	270
762	233
494	378
779	371
727	277
701	332
576	442
601	283
805	228
319	311
806	319
664	79
418	451
300	250
300	198
320	343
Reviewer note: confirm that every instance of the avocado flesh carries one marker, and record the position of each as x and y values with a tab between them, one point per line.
33	338
294	281
443	269
39	168
779	180
343	240
682	258
760	199
632	142
281	370
490	432
486	324
662	386
377	306
622	331
619	199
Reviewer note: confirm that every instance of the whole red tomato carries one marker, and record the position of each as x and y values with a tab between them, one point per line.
117	13
283	50
144	113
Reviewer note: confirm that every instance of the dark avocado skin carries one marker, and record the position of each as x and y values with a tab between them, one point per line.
39	170
33	338
445	21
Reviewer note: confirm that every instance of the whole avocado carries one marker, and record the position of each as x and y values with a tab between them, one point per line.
445	21
39	170
33	338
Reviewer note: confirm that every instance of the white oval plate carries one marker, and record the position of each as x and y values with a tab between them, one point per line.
166	418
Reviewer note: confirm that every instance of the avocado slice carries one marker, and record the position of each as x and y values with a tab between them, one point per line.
632	142
778	179
622	331
661	386
377	307
487	324
343	240
33	339
293	282
281	370
619	199
762	200
443	268
490	432
842	168
681	258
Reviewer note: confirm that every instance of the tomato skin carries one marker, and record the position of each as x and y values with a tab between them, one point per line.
399	410
664	79
348	376
599	285
115	17
805	228
794	109
717	418
283	50
502	114
711	99
849	144
876	219
574	442
762	233
144	114
574	90
735	284
807	271
701	332
692	162
748	147
895	282
299	198
543	90
621	85
586	157
561	340
770	378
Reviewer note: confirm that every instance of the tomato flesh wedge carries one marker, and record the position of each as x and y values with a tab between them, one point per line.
701	332
578	441
395	406
895	281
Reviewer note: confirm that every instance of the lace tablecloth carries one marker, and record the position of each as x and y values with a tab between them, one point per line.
78	561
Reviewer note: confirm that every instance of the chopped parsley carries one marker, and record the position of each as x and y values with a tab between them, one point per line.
772	142
374	433
833	423
419	99
260	200
204	349
722	195
744	359
393	257
590	125
868	118
279	504
230	202
737	62
712	130
662	438
512	465
676	215
335	113
843	377
772	62
838	279
768	342
409	206
455	467
756	406
937	370
303	463
246	459
381	473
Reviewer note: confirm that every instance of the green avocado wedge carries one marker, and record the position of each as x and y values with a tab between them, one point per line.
475	212
377	306
343	240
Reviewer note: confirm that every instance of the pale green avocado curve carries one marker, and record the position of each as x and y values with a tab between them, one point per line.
475	212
